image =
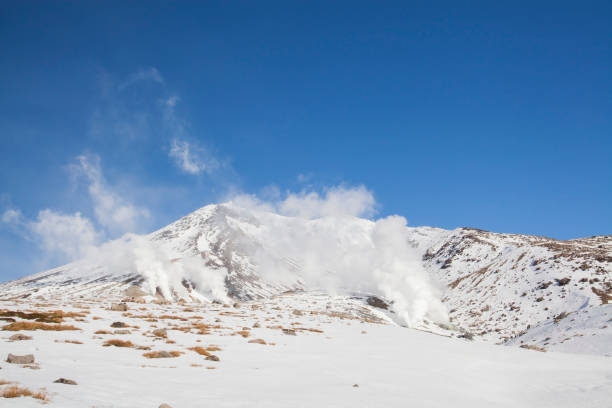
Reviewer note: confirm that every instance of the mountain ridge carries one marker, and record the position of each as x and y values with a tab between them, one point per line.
502	288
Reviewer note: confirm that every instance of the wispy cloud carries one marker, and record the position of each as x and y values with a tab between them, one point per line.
150	74
112	211
192	159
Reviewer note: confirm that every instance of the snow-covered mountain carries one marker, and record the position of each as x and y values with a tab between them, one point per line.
503	288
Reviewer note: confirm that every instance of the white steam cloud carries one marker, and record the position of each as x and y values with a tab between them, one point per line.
335	201
342	254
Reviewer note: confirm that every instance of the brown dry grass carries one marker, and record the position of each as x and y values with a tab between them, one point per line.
37	326
118	343
201	350
213	348
16	391
258	341
243	333
102	332
533	347
170	317
156	354
4	382
54	316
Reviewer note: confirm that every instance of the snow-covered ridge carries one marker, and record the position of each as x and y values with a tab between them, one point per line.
496	287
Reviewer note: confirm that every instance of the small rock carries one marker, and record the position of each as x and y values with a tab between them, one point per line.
119	307
164	354
118	324
65	381
256	325
258	341
212	357
237	305
164	405
13	359
160	333
289	332
122	331
19	336
355	385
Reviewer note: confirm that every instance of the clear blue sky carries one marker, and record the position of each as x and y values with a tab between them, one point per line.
496	116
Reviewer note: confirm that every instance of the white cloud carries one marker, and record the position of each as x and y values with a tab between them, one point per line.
191	158
11	216
111	210
356	201
334	201
70	235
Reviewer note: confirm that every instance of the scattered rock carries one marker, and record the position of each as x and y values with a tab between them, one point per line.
65	381
289	332
160	333
256	325
13	359
164	354
377	302
119	307
164	405
563	281
258	341
134	291
19	336
237	305
355	385
466	335
118	324
212	357
123	331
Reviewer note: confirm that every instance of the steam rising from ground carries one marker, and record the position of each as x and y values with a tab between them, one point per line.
346	255
315	239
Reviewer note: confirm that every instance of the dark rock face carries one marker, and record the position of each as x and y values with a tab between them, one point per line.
27	359
65	381
377	302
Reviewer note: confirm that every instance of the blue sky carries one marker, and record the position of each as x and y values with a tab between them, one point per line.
123	118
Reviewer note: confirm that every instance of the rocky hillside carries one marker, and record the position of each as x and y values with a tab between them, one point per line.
503	288
506	287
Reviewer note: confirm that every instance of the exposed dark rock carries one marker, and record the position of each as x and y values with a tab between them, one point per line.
65	381
377	302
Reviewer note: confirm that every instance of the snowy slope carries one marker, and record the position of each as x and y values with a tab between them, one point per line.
496	287
297	350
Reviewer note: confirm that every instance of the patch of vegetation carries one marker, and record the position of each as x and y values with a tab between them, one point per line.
17	326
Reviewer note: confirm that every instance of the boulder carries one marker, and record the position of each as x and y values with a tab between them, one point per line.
160	333
65	381
134	291
13	359
377	302
119	307
19	336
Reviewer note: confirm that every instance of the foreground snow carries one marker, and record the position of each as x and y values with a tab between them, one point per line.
392	366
